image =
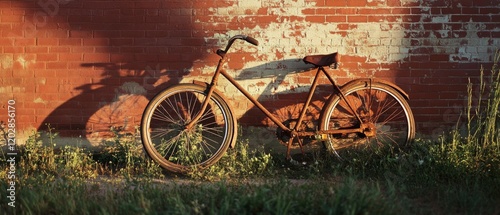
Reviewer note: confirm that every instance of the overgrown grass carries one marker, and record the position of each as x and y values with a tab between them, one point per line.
48	160
458	173
124	155
267	197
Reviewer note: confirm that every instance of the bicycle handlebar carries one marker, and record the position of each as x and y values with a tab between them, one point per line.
252	40
231	41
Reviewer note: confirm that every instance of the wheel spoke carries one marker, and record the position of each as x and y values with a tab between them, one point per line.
163	115
172	145
161	132
379	106
172	107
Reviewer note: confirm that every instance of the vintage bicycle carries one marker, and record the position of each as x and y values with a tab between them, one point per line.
190	126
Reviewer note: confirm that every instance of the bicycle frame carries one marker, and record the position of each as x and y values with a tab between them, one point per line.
293	131
180	131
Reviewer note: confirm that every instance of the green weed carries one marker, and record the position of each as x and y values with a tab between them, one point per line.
269	197
238	162
37	158
124	155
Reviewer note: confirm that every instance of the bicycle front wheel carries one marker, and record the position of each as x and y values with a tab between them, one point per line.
170	144
386	115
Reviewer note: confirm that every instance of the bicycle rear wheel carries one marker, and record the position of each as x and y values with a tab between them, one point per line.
176	148
383	110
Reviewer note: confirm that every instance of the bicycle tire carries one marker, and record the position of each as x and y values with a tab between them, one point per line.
377	103
177	149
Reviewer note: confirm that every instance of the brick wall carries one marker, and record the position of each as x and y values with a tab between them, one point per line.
84	66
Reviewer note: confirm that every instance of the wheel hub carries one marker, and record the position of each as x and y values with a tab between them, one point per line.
285	135
369	129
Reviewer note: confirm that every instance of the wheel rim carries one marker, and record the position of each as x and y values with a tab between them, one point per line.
181	148
386	120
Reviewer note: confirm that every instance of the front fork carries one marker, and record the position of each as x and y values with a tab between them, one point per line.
210	91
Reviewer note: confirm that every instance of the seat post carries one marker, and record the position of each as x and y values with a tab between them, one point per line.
309	98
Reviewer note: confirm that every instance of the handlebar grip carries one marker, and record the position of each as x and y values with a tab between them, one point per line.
252	40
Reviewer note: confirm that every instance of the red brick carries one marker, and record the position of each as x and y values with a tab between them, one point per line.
96	57
133	33
47	41
70	57
400	10
57	34
17	31
6	42
58	49
11	19
106	49
15	49
122	58
381	18
5	5
79	18
336	18
95	41
121	41
470	18
81	49
24	73
137	50
146	57
439	57
356	3
46	89
357	18
13	81
70	42
373	11
486	10
80	34
25	42
336	3
37	65
346	10
56	65
37	49
47	57
309	11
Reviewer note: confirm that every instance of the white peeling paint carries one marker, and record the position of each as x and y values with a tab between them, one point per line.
39	100
441	19
6	89
285	41
24	63
6	61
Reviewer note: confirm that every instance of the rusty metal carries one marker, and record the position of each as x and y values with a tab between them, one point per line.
342	95
375	80
330	132
295	131
211	88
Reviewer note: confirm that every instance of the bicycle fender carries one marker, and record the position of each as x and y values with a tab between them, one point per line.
201	83
367	81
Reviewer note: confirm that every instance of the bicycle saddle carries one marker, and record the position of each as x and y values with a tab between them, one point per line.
322	60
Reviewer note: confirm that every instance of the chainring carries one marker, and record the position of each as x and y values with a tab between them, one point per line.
284	136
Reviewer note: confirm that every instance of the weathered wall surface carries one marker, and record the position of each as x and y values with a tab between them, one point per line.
85	66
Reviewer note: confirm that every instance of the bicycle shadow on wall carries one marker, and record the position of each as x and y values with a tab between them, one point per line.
144	52
115	106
